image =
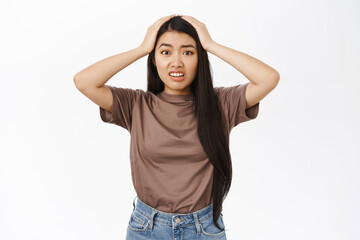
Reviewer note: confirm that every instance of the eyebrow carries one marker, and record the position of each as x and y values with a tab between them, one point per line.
182	46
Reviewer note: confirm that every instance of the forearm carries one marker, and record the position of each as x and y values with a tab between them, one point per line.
253	69
100	72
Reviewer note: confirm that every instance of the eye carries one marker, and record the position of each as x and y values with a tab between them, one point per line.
189	52
164	51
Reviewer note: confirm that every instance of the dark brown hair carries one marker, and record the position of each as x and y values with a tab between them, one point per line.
207	110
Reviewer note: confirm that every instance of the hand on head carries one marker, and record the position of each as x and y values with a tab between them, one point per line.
201	30
149	41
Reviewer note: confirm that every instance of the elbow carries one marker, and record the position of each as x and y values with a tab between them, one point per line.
76	80
275	79
277	76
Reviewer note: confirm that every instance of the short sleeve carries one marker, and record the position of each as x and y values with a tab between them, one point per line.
234	101
123	104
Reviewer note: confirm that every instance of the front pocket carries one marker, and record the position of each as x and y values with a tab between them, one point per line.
138	222
209	228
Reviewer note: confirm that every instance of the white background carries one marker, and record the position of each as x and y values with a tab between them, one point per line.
65	174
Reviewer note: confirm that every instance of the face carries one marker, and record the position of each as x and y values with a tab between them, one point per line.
176	52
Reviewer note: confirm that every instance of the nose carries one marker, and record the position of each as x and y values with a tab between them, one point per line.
176	60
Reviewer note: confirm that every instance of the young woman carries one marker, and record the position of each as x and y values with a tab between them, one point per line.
180	160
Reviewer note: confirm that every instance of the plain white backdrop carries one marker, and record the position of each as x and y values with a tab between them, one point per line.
65	174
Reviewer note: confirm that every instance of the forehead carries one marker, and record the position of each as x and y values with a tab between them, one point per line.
176	39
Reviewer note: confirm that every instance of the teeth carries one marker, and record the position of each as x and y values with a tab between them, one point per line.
176	74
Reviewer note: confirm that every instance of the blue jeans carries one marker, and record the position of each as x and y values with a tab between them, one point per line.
149	223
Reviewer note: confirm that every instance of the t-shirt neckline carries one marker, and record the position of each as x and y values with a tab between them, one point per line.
175	97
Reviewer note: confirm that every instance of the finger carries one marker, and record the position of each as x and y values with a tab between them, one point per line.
189	19
164	19
192	20
170	16
167	17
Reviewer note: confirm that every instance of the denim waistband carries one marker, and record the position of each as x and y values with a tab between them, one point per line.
173	219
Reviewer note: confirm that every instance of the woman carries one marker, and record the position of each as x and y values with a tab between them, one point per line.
180	160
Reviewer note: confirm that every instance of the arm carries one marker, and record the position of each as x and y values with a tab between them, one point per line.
253	69
263	79
97	74
91	80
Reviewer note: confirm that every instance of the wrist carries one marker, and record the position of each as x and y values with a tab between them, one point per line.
142	51
210	46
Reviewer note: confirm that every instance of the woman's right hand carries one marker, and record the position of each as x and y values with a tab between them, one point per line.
149	41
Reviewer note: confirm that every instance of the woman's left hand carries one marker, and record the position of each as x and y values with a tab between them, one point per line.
201	30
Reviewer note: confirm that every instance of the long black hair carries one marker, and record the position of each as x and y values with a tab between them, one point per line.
207	110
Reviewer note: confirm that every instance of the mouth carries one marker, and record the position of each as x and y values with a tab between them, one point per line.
177	75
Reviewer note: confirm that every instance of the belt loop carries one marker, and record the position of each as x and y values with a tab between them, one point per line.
151	220
134	202
197	224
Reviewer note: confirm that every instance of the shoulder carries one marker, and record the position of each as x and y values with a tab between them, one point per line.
231	91
127	92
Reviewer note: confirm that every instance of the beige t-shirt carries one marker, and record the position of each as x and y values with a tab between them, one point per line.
169	168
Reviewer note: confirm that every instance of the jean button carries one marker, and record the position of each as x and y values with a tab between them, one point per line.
177	220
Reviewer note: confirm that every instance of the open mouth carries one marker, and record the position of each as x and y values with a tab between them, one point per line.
177	76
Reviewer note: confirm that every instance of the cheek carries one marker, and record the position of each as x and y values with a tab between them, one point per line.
194	67
161	68
161	62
